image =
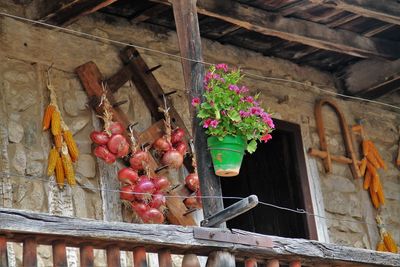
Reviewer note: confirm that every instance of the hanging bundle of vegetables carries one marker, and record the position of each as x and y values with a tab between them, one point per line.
65	151
386	242
111	143
193	184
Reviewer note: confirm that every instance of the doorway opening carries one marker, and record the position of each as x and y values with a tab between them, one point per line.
276	173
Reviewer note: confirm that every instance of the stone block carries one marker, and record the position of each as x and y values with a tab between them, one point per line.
86	166
15	132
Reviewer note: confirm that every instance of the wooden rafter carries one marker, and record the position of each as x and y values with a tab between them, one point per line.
67	11
297	30
388	11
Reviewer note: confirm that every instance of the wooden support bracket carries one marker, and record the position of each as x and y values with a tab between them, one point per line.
348	141
231	212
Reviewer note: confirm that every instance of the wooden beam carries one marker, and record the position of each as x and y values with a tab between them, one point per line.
372	78
148	13
297	30
187	27
388	11
67	11
18	224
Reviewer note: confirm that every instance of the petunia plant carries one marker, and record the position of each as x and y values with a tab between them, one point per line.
228	109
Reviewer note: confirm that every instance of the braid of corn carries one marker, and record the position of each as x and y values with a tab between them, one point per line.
47	116
53	157
68	168
381	246
71	144
56	123
58	139
60	175
389	242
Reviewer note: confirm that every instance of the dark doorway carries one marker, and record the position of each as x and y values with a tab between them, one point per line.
276	173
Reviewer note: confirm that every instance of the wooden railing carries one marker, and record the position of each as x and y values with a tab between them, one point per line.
33	229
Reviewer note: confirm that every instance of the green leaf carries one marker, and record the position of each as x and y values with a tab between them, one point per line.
252	146
234	115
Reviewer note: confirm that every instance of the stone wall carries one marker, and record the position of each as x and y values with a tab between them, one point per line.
27	51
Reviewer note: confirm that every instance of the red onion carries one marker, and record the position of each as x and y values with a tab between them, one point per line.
103	153
127	193
158	200
118	145
191	202
162	144
116	128
153	216
100	138
128	175
192	182
162	183
138	159
143	189
177	135
172	158
181	147
140	208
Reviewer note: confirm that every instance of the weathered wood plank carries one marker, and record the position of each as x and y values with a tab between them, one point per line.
67	11
164	258
113	256
190	260
87	256
187	28
3	252
59	254
179	240
388	11
297	30
139	257
29	255
148	13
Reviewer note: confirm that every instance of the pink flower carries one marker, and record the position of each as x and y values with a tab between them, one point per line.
234	88
266	138
244	114
222	66
256	110
195	101
214	123
243	89
223	112
207	123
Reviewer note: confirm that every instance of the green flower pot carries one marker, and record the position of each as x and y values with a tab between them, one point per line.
227	154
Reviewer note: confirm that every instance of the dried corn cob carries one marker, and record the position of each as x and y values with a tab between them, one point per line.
60	176
47	116
363	166
56	123
68	168
367	180
381	246
71	144
374	198
379	193
58	141
375	182
371	158
379	159
371	169
389	242
53	156
365	147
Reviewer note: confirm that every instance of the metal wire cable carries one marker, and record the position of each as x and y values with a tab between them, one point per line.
298	210
104	39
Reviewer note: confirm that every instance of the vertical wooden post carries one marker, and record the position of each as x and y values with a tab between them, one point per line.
250	262
87	256
190	260
29	257
272	263
113	256
59	254
139	257
164	258
187	28
3	252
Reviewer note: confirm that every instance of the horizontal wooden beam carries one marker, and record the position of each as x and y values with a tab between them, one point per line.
67	11
372	78
17	225
388	11
297	30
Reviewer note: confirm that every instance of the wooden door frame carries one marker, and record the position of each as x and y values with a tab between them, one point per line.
300	160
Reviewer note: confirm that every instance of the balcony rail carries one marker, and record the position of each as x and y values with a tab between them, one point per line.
34	229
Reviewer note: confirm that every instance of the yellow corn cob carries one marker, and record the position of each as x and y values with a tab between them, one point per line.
56	123
53	156
375	182
68	168
47	116
374	198
365	147
363	166
60	176
379	159
367	180
71	144
381	246
371	158
58	141
389	242
379	193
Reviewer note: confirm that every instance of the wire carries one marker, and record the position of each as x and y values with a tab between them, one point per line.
79	33
298	210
